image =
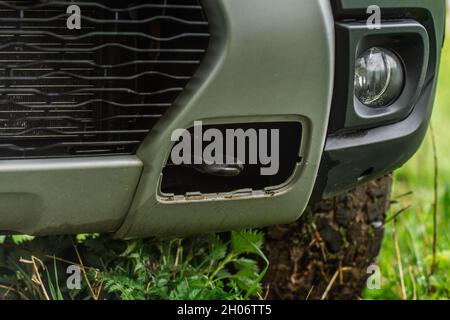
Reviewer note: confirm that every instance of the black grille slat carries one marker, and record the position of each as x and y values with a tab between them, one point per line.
98	90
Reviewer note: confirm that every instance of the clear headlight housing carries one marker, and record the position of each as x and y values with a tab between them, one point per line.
379	77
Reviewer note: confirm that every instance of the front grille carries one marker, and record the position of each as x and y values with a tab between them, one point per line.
98	90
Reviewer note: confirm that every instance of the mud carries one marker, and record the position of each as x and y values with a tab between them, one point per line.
327	252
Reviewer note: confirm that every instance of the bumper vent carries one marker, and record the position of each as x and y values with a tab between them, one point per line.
98	90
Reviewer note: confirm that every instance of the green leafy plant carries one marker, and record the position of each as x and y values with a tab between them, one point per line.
216	269
226	266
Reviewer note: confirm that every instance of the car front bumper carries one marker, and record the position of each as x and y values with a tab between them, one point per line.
267	62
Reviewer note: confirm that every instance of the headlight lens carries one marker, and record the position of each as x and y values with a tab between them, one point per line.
379	77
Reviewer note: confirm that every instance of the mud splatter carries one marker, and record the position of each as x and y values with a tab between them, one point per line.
342	236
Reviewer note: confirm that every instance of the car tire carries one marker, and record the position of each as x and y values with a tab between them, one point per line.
328	252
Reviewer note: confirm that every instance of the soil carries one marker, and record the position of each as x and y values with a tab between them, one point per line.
326	254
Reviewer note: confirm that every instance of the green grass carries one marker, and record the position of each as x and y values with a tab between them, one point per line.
414	227
228	267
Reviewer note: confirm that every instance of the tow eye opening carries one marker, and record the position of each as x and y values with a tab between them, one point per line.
253	158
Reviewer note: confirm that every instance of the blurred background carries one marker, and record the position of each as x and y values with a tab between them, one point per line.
406	256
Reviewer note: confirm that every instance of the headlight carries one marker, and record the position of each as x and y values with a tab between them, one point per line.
379	77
